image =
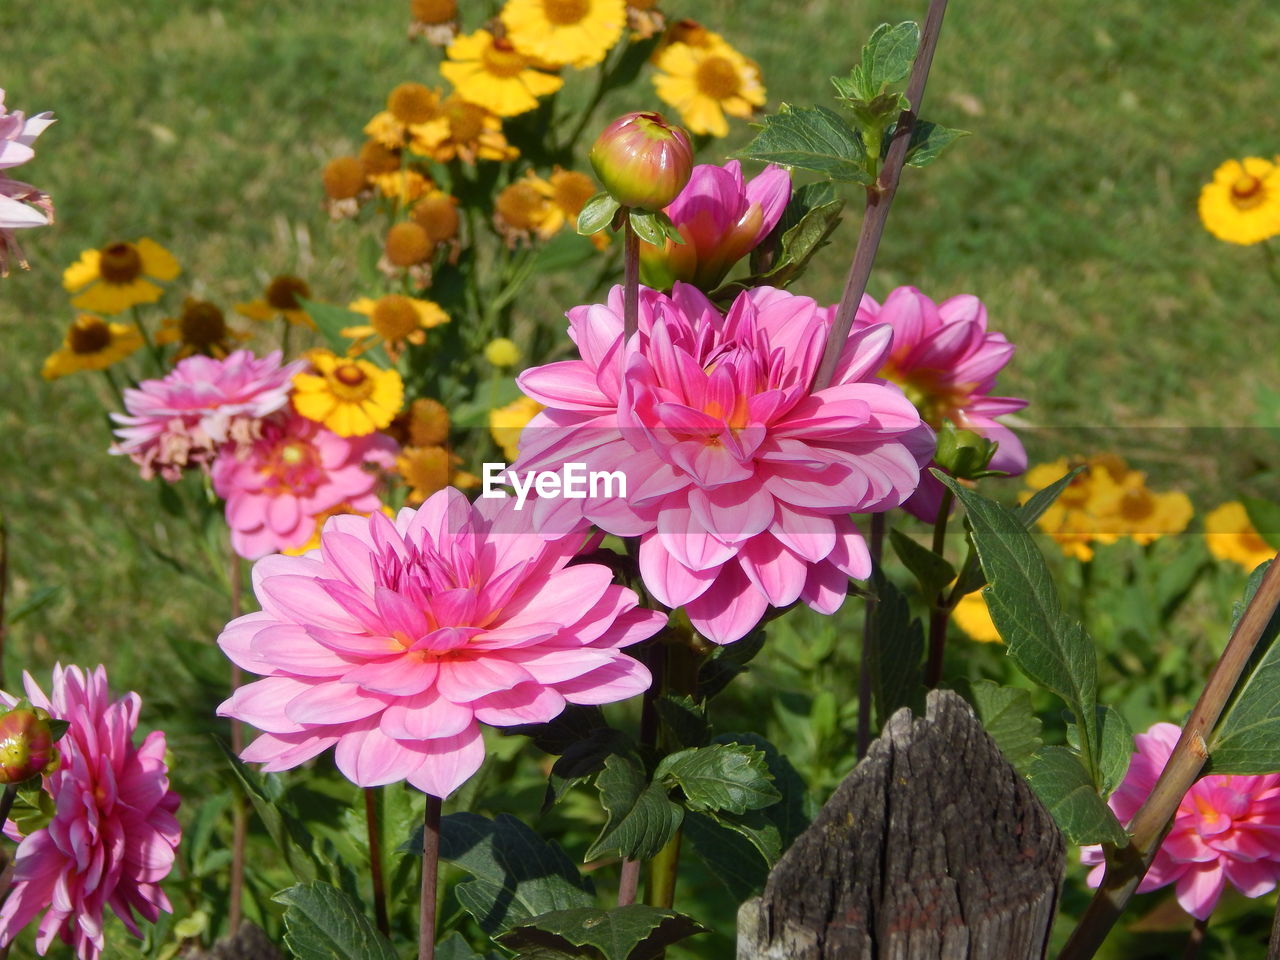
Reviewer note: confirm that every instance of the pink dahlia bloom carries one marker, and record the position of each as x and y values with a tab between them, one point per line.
722	219
113	837
394	641
946	362
740	476
21	204
1226	830
203	403
277	483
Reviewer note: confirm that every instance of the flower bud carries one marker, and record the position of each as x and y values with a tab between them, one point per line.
642	160
26	745
963	453
502	352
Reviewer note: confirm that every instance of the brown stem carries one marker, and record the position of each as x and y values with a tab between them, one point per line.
941	608
656	661
239	819
880	197
1127	866
375	860
876	548
430	875
1196	941
630	282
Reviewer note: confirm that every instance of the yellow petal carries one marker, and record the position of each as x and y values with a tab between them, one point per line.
314	406
363	305
83	271
256	310
110	298
156	260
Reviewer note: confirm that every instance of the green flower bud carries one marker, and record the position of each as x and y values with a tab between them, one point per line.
26	745
642	160
963	453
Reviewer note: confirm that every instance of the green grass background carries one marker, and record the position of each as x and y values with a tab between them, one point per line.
1070	211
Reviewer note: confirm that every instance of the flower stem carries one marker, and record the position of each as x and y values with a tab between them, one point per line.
6	802
284	337
876	548
1273	948
663	871
375	860
1196	941
1126	866
880	197
115	387
941	608
156	357
430	875
630	284
656	661
239	820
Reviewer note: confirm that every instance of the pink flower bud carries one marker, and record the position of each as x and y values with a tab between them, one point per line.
642	160
26	745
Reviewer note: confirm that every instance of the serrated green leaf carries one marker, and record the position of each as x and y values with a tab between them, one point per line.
584	759
641	817
1265	517
1117	748
1064	786
730	777
931	571
1047	646
685	719
896	677
323	923
785	255
886	59
623	933
756	828
597	214
791	812
729	855
1247	738
1009	719
928	140
816	139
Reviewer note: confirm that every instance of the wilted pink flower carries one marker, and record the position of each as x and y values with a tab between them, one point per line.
946	362
394	641
277	483
203	403
740	476
21	205
722	219
1226	830
112	839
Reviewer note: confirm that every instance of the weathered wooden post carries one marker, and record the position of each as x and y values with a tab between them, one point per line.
934	848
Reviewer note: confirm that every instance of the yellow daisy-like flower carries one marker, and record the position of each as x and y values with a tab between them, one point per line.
1129	509
705	83
565	32
1230	535
437	214
526	209
91	344
1242	202
115	278
350	397
463	130
403	186
282	298
505	424
394	320
408	106
570	192
490	72
972	616
428	470
200	328
424	424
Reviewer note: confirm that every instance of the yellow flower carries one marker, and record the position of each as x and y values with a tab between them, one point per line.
1231	536
428	470
282	298
1242	202
200	328
570	192
407	244
490	72
505	424
393	321
343	178
525	209
972	616
91	344
350	397
114	278
341	510
424	424
437	213
706	82
502	352
408	106
464	130
403	186
437	20
560	32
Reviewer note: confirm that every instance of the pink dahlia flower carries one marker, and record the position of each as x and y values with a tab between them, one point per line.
113	837
740	476
722	219
946	362
203	403
276	484
395	640
21	204
1226	830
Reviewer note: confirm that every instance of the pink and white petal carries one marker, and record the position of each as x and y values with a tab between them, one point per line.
403	676
426	716
523	703
449	762
1200	887
369	758
284	751
621	679
334	702
1252	879
729	609
669	580
466	680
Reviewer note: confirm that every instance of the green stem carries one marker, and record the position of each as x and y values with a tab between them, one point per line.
115	387
375	860
866	659
285	335
941	607
6	802
430	876
663	871
156	357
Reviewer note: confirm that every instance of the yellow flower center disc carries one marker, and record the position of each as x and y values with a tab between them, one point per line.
565	12
571	191
394	318
1137	505
501	59
343	178
293	454
1246	192
89	335
411	103
407	244
717	78
433	11
283	292
521	206
202	323
466	121
120	263
437	215
378	159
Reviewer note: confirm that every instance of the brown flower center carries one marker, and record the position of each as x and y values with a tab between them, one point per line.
566	12
120	263
437	214
89	334
433	11
501	59
349	375
521	206
394	317
717	78
284	291
202	324
1137	505
428	423
378	159
412	103
407	244
343	178
1247	192
426	469
689	32
642	4
466	120
571	191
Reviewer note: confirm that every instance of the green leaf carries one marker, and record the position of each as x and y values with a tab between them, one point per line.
641	818
584	759
1007	715
1042	641
886	59
731	777
816	139
514	873
623	933
323	923
40	597
1117	748
648	227
558	735
728	854
756	828
896	677
1265	517
790	813
563	252
811	216
291	837
1065	788
597	214
931	571
453	947
685	720
928	140
331	319
726	663
1247	738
